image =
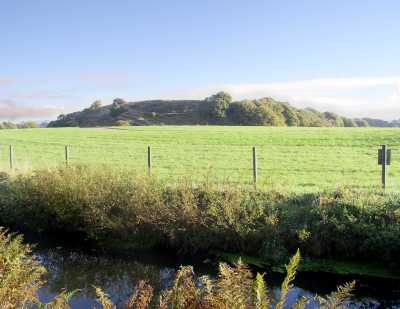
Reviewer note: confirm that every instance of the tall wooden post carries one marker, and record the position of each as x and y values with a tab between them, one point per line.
11	157
149	159
254	166
66	155
384	165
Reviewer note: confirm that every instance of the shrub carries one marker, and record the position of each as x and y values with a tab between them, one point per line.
20	273
122	123
112	208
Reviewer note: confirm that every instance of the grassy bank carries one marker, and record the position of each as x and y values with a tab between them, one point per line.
125	211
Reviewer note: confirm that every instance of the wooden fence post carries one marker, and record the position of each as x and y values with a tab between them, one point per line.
384	162
149	159
11	157
384	159
254	166
66	155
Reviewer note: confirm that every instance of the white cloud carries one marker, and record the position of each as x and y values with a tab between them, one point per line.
354	97
10	110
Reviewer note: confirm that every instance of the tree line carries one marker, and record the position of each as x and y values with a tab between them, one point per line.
217	109
22	125
268	112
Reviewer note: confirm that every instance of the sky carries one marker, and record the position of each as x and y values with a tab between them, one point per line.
60	56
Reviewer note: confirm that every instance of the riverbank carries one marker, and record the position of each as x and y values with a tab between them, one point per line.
120	211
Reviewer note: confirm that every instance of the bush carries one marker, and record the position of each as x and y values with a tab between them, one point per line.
140	212
20	273
122	123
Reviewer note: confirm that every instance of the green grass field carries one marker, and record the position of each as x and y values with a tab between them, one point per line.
306	159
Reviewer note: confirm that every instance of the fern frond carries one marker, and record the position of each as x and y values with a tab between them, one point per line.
336	299
291	270
301	303
260	295
104	299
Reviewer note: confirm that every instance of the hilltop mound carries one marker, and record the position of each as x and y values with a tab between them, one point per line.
217	109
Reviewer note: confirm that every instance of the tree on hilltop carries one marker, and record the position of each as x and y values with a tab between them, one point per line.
218	104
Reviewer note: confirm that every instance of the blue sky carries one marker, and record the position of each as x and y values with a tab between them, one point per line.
59	56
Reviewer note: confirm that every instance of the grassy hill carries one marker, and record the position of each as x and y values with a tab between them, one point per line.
218	109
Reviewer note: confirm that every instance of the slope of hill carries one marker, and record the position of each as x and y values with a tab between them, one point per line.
217	109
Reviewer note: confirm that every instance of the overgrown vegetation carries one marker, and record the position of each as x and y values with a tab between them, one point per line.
121	210
216	109
20	273
234	288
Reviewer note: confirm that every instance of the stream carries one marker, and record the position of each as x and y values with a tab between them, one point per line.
72	270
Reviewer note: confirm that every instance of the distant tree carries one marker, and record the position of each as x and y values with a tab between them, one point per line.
218	104
348	122
9	125
362	122
29	125
242	112
255	112
291	116
333	119
95	105
118	107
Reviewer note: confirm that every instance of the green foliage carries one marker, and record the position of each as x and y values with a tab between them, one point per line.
234	288
287	284
347	122
122	123
8	125
96	105
28	125
120	209
118	107
218	104
20	273
336	299
212	110
260	293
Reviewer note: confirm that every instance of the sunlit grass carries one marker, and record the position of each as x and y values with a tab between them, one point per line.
303	159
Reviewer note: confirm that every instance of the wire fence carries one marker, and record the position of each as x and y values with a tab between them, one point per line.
290	166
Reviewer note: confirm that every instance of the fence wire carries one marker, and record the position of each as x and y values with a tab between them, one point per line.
279	166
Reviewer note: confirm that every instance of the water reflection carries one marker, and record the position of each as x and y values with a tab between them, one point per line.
71	270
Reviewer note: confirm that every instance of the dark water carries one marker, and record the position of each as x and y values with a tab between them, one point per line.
72	270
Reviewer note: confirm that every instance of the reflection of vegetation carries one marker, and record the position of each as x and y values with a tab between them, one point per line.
234	288
75	271
323	266
20	279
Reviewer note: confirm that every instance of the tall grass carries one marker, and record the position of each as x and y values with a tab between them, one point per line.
235	288
123	210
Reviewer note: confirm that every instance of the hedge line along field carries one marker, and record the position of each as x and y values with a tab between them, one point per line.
299	159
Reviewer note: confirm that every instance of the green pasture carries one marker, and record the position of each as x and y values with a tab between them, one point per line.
305	159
